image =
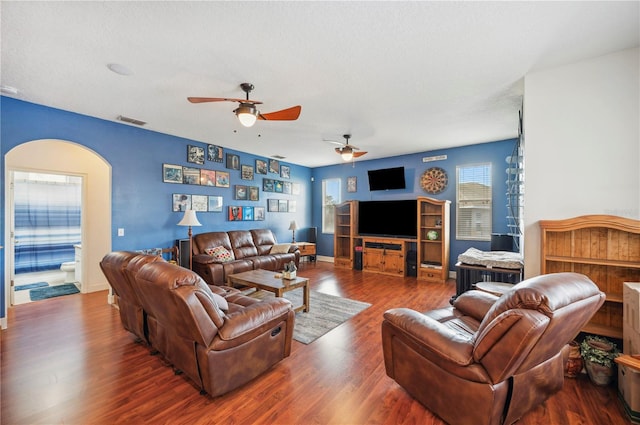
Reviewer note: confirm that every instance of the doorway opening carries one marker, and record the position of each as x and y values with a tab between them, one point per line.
46	229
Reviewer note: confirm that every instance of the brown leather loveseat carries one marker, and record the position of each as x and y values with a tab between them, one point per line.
249	250
489	360
218	337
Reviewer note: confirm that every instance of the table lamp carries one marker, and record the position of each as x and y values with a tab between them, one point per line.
293	226
190	219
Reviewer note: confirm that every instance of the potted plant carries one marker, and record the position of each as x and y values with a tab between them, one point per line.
599	354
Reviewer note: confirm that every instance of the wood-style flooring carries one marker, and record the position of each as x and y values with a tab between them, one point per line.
68	360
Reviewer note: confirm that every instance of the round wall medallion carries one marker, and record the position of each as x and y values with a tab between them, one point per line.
432	235
434	180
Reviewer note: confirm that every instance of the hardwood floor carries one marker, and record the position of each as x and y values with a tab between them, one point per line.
69	361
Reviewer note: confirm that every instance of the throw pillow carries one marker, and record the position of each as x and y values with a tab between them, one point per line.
220	253
280	248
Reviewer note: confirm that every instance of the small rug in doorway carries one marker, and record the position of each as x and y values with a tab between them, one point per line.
326	312
53	291
30	286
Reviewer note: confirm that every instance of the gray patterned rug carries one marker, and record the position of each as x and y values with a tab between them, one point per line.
326	312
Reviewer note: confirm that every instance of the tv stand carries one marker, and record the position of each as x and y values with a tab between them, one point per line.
385	255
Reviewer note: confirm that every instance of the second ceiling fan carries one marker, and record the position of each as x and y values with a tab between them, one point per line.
247	112
347	151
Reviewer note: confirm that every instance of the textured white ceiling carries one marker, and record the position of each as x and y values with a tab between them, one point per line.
401	77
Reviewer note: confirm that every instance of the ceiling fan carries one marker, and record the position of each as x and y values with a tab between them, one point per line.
347	151
247	113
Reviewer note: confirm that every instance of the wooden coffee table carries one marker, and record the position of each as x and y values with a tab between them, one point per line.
267	280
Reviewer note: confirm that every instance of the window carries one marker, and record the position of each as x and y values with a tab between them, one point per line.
330	198
473	210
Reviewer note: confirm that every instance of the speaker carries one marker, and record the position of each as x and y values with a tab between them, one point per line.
501	242
412	263
183	252
313	234
357	258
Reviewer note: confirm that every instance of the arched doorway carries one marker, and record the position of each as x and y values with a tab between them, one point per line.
59	156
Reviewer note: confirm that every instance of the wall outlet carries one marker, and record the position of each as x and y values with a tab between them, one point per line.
120	231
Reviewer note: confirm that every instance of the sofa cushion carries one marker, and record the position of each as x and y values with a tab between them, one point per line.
280	248
220	254
220	301
242	244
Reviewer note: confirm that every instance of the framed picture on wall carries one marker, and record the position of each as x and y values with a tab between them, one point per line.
254	193
286	188
272	205
235	213
277	186
261	166
207	177
246	172
285	171
352	184
233	161
292	206
267	185
258	213
199	203
222	179
215	153
283	205
171	173
274	166
215	203
181	202
240	192
247	213
191	175
295	188
195	154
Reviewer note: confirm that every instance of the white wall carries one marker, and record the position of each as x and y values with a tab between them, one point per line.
59	156
582	144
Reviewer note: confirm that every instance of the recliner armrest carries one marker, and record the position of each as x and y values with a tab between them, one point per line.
254	318
433	335
204	259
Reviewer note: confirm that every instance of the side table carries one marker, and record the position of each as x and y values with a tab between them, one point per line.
307	249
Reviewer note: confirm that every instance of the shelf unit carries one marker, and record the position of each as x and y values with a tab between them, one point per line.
603	247
433	253
346	227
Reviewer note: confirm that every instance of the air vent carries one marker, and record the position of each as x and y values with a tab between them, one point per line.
278	156
130	120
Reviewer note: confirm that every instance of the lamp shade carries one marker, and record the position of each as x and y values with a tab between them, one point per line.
347	155
189	219
293	225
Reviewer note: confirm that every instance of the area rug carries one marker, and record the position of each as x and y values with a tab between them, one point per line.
30	286
326	312
53	291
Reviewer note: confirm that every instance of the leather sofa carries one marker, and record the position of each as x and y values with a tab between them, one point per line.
489	359
218	337
251	249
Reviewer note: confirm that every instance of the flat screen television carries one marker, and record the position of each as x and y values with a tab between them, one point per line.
398	219
386	178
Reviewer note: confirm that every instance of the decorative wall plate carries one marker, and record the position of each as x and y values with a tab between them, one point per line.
434	180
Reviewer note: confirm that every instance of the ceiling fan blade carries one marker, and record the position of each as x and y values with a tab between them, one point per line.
289	114
221	99
358	154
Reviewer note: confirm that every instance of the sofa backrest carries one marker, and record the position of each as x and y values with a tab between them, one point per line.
203	241
263	239
533	321
242	244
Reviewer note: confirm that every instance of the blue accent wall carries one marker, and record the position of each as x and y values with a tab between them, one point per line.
494	153
142	203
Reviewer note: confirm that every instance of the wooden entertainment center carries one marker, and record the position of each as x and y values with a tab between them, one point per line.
388	255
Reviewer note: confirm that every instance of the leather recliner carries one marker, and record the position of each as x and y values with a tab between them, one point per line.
489	359
132	315
220	340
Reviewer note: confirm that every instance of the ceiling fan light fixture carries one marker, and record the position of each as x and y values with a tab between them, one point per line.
247	114
347	154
